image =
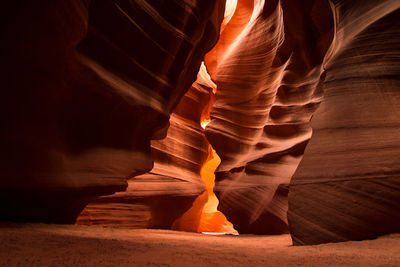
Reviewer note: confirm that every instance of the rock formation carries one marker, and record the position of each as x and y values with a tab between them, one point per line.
271	67
176	179
267	69
88	84
274	64
347	186
174	183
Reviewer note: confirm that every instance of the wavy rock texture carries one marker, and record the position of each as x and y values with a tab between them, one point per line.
267	68
87	84
173	184
273	65
347	187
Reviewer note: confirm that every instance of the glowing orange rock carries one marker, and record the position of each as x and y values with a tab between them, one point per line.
204	216
211	219
190	220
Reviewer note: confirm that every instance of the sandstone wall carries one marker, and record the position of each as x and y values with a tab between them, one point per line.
86	86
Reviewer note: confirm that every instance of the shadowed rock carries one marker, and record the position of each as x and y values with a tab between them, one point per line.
87	84
170	188
348	185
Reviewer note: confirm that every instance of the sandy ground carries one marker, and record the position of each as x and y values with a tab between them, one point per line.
73	245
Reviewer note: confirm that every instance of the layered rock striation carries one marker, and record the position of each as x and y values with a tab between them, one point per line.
347	186
174	183
275	63
267	68
87	85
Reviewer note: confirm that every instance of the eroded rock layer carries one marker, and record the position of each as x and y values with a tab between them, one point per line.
347	186
272	65
86	85
267	68
173	184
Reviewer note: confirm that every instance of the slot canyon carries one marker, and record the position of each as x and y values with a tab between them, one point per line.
240	118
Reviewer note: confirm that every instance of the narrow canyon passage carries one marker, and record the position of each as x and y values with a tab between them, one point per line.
204	216
270	66
262	117
212	220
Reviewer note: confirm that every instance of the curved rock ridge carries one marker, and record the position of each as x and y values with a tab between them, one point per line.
267	70
273	65
174	184
203	216
347	186
87	85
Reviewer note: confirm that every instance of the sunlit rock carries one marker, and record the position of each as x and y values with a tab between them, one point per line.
267	67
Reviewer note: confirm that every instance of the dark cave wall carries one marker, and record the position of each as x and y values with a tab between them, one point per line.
347	186
82	100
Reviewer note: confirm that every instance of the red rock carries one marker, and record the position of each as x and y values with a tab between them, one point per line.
347	186
267	74
172	186
272	72
87	85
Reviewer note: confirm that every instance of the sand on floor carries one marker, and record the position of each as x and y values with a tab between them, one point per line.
76	245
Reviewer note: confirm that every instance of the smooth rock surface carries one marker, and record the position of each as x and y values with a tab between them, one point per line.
347	186
267	68
87	85
173	184
275	63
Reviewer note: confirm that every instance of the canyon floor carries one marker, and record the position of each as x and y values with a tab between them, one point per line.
73	245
